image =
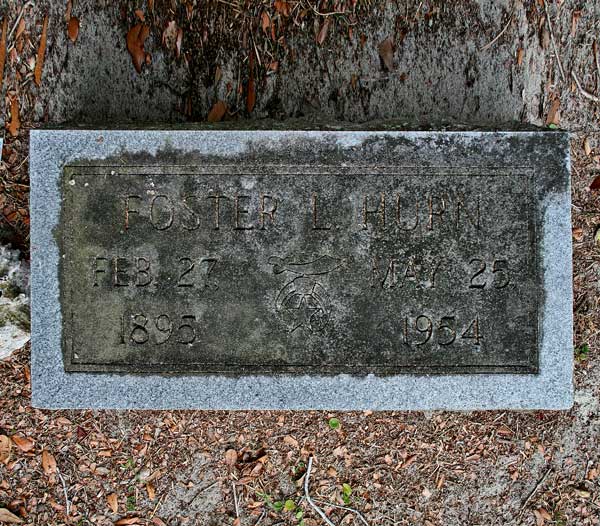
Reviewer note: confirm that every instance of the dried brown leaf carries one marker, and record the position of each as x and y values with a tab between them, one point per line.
8	517
158	522
5	446
73	28
265	21
520	53
113	502
217	112
231	457
282	7
322	35
140	14
151	491
553	115
386	52
587	147
136	37
150	5
290	441
68	11
3	50
20	28
39	63
129	520
595	183
23	443
48	462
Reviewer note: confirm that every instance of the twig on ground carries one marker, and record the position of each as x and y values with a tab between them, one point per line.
347	508
262	516
583	91
235	501
560	67
487	46
308	497
534	491
64	485
28	4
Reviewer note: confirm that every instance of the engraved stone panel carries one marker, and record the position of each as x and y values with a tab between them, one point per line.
386	269
301	269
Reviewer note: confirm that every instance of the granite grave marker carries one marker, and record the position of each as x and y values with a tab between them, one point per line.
301	269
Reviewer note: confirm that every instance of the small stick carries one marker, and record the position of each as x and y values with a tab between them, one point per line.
64	485
583	91
235	501
347	508
487	46
309	499
562	71
537	486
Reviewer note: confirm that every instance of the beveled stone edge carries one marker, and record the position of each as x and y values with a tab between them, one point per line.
53	388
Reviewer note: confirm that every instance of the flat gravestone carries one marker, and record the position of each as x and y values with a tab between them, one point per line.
301	269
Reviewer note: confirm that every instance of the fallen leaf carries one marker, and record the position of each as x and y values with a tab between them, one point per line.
7	516
283	8
553	114
68	11
545	514
113	503
595	183
386	52
3	50
409	461
129	520
20	28
24	444
13	128
265	21
73	28
322	35
48	462
217	113
39	63
136	37
158	522
587	147
151	5
151	491
231	457
5	445
290	441
140	14
520	53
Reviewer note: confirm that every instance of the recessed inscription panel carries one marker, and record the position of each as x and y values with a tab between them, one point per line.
303	269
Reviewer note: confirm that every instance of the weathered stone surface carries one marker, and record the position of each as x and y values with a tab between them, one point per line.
297	269
14	301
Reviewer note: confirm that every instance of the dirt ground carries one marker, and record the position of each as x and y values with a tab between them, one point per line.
479	62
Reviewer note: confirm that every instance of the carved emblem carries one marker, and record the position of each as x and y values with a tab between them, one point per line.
303	302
